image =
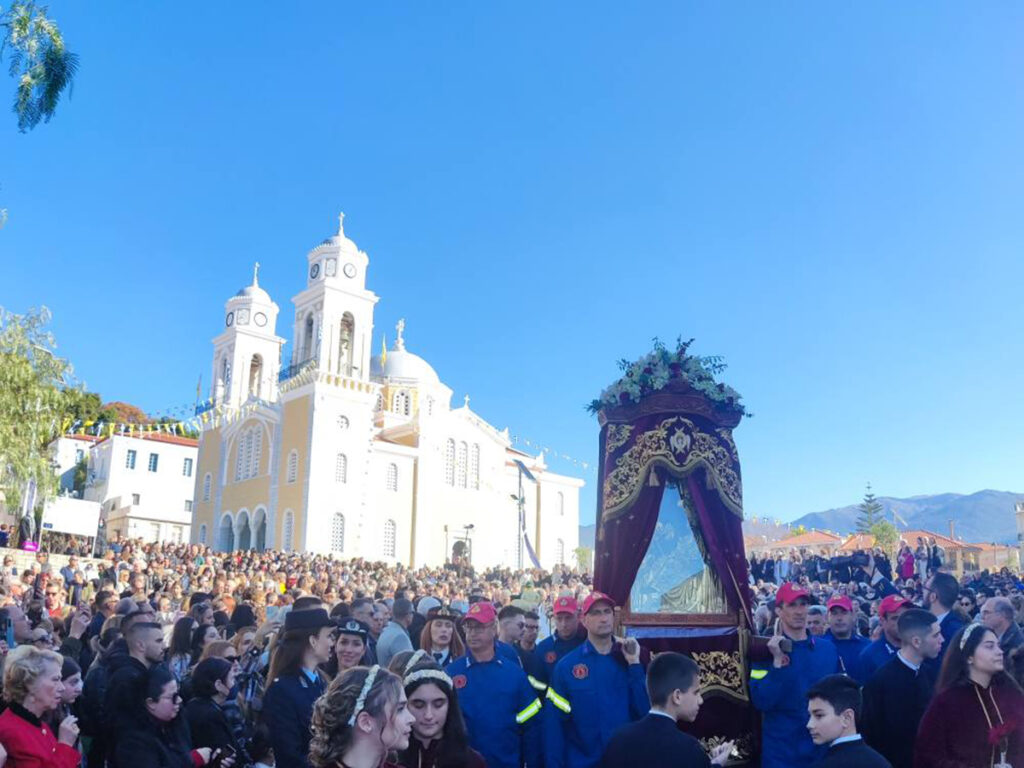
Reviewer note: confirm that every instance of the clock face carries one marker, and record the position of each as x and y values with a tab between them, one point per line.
350	270
314	270
330	268
243	317
260	319
230	319
343	422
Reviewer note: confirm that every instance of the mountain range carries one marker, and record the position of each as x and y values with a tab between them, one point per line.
983	516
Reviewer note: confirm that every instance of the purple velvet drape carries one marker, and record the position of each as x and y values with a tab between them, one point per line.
722	532
622	544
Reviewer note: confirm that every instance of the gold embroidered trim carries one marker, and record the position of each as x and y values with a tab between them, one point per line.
618	436
722	672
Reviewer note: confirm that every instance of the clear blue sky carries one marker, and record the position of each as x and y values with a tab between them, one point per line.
827	195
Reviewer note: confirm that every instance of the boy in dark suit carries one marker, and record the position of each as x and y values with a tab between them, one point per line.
655	741
833	704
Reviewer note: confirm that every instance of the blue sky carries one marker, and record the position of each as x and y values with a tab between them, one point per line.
828	196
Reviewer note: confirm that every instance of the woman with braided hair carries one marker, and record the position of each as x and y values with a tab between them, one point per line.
976	719
439	738
361	720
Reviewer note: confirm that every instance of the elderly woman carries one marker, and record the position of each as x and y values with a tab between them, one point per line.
32	688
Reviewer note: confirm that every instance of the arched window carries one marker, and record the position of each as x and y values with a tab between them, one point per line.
345	337
306	350
474	467
288	531
338	533
401	406
202	533
561	504
389	538
226	542
449	462
341	468
239	457
560	552
293	467
222	378
391	481
207	482
244	531
256	376
460	465
257	450
260	529
247	458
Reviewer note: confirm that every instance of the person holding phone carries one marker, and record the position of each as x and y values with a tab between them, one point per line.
594	690
779	688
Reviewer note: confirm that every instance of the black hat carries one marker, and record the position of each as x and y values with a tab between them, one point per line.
310	618
442	612
351	626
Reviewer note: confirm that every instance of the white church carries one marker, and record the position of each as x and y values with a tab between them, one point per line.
340	452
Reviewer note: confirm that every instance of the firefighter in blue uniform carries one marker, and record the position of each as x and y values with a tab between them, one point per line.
779	688
842	631
595	689
568	636
500	707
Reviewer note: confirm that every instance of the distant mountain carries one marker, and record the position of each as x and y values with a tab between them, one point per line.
985	516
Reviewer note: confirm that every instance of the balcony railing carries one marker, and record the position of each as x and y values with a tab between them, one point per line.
294	370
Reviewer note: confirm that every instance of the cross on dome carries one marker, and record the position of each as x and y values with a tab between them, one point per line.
256	275
341	224
400	328
467	401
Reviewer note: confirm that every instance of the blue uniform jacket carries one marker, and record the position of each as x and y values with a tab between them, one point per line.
552	649
849	651
873	658
781	696
590	695
287	711
500	709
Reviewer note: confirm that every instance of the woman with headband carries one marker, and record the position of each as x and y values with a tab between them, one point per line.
977	716
360	721
439	738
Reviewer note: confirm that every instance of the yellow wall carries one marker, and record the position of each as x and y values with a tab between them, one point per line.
208	461
294	436
255	491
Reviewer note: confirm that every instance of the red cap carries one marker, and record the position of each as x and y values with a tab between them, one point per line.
840	601
566	604
482	612
893	603
596	597
790	593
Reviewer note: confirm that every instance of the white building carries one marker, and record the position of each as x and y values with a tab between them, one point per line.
357	455
144	484
68	451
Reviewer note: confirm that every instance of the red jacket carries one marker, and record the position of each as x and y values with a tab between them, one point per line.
31	743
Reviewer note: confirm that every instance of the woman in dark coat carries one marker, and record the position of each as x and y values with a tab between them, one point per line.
213	683
159	738
977	716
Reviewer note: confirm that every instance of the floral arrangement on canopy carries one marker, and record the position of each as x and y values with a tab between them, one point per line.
660	367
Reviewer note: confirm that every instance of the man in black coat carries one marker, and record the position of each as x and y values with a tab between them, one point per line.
897	695
144	645
833	706
655	741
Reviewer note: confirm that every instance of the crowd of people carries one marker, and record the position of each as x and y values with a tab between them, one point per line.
174	656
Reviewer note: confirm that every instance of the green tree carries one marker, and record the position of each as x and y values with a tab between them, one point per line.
80	478
38	58
886	537
584	558
870	512
32	396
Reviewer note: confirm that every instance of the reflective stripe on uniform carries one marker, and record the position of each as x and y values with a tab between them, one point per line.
758	674
537	684
529	712
559	702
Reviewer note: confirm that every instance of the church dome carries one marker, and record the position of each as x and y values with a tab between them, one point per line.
254	292
404	365
399	364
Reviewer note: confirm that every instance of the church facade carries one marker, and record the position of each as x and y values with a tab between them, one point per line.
343	452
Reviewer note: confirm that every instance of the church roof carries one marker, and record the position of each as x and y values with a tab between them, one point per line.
400	364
